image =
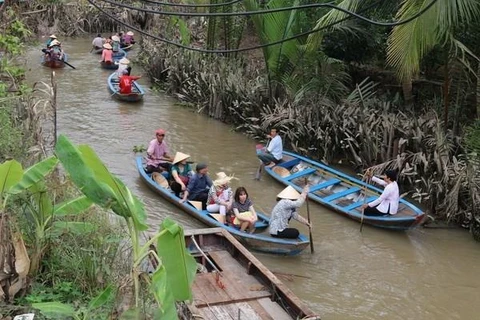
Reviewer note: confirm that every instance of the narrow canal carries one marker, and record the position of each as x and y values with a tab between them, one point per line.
421	274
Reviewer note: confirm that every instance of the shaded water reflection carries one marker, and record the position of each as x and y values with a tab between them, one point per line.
422	274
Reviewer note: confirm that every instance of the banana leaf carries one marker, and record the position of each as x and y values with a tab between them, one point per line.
60	227
72	207
11	173
103	298
34	174
162	290
82	175
179	264
56	309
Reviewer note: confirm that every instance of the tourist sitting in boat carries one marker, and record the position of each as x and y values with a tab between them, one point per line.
50	40
181	172
387	203
273	152
289	200
158	159
245	215
198	186
97	42
220	196
121	35
128	38
54	51
107	54
116	43
122	67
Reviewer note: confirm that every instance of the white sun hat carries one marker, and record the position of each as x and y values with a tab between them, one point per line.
289	193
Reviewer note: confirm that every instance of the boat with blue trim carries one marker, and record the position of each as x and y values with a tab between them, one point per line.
255	241
114	88
340	192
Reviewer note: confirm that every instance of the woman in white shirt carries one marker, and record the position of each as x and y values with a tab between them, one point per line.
388	201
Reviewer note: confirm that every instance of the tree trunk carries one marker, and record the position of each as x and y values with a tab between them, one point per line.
477	100
407	92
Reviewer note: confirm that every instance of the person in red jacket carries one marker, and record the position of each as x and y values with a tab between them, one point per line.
126	83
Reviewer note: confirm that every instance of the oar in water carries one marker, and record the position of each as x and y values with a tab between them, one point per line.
309	223
364	190
68	64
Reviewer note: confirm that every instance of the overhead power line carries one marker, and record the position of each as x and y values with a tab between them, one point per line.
221	51
249	13
182	5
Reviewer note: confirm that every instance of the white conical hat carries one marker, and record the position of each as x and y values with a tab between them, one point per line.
130	33
54	43
115	38
289	193
52	36
179	156
107	46
124	61
222	179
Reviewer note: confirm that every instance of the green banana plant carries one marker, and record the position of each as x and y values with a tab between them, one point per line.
92	177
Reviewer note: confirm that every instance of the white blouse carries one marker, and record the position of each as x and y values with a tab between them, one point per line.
389	198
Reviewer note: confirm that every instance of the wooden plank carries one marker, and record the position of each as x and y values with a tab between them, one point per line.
241	310
301	173
324	184
340	194
274	309
358	204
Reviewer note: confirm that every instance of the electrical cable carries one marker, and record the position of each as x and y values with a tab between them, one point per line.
222	51
249	13
182	5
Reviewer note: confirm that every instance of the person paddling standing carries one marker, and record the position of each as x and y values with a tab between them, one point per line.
387	203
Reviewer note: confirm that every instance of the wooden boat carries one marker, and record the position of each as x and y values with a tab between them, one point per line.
109	65
340	192
113	86
259	242
54	63
97	50
120	54
232	282
128	47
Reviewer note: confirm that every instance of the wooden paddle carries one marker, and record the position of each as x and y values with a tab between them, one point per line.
312	250
68	64
262	165
364	190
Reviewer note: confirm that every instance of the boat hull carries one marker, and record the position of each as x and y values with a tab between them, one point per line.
109	65
241	281
127	48
258	242
113	87
52	63
349	205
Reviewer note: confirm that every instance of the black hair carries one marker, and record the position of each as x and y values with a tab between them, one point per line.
391	174
129	69
238	192
99	35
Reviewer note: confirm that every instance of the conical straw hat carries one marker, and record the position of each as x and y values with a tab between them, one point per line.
160	179
124	61
179	156
107	46
130	33
289	193
281	171
115	38
222	179
53	36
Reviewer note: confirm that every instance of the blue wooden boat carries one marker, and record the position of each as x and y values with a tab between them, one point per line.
128	47
259	242
341	192
113	86
120	54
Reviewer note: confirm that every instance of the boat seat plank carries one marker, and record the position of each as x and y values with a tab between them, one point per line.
273	309
241	310
301	173
359	203
340	194
324	184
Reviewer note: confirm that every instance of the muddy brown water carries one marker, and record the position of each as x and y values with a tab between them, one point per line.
376	274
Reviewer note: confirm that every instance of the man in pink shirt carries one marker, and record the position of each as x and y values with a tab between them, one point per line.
158	159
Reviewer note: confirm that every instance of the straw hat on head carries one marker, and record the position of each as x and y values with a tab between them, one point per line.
124	61
289	193
130	33
179	156
222	179
54	43
116	38
52	36
107	46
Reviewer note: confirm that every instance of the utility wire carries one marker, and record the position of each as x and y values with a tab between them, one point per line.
192	5
249	13
221	51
